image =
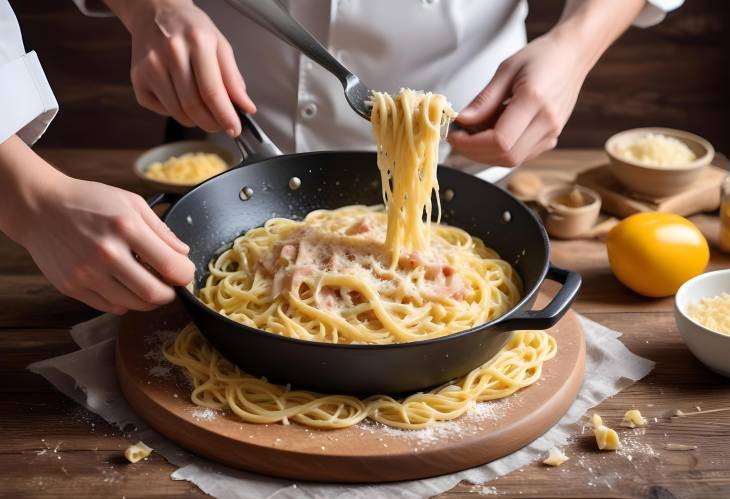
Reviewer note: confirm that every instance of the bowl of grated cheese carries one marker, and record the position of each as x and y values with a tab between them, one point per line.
658	162
180	166
702	314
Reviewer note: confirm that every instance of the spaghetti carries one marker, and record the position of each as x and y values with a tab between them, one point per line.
328	278
218	384
407	130
368	275
363	275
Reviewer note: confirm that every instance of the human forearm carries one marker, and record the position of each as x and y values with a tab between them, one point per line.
24	179
593	25
84	236
129	10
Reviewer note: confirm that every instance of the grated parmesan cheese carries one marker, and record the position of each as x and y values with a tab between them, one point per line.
187	169
713	313
655	149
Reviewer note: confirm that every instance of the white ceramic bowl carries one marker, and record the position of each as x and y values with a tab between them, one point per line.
711	348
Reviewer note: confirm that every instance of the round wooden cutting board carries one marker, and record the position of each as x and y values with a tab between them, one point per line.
367	452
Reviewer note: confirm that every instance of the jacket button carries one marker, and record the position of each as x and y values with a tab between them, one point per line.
309	111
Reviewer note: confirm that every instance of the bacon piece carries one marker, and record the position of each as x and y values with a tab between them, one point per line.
307	252
288	279
288	253
360	227
327	297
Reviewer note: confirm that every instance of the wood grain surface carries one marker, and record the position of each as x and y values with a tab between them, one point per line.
36	420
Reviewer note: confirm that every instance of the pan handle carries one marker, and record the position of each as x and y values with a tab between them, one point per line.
163	198
551	314
253	143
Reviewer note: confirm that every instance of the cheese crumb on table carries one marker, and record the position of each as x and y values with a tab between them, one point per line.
633	419
136	452
606	438
556	457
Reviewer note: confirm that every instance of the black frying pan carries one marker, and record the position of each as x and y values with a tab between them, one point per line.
224	207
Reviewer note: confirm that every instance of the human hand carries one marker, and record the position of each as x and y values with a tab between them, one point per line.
528	102
90	239
182	66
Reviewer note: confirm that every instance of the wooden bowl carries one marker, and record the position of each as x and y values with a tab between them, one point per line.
567	222
657	181
165	151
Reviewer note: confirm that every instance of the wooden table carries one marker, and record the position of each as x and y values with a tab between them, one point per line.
51	447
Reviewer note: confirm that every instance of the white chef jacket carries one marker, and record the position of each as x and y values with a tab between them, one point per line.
27	104
452	47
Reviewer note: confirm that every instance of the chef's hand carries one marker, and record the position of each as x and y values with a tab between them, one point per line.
182	66
523	109
85	238
89	239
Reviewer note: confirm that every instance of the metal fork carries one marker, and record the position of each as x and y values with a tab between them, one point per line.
273	16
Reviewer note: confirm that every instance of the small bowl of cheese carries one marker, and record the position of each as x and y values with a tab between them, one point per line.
180	166
658	162
702	314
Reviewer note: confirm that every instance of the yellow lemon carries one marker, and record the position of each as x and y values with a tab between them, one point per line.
655	253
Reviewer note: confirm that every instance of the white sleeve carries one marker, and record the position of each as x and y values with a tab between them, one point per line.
93	8
655	11
27	104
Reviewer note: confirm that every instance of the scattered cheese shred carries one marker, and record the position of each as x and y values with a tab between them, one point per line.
633	419
556	457
606	438
188	169
713	313
136	452
655	149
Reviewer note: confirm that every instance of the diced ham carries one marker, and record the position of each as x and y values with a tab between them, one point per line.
327	297
298	275
288	253
307	253
288	279
267	262
360	227
279	282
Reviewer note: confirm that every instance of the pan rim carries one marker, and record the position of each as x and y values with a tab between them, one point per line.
487	327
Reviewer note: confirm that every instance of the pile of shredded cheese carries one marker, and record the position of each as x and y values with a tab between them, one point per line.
713	313
188	169
655	149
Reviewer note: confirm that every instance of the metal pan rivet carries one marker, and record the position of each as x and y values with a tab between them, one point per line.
245	193
448	195
506	217
295	183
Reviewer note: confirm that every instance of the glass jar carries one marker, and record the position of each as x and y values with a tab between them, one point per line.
724	239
